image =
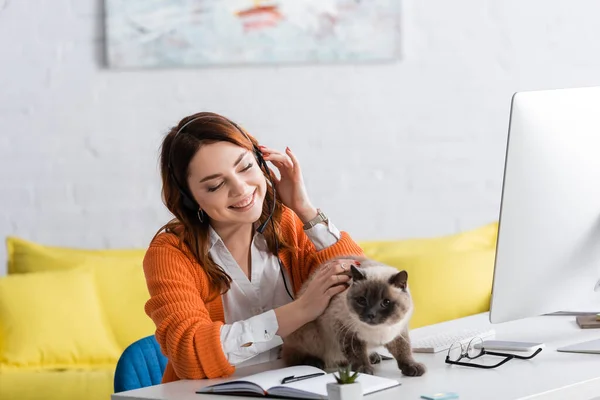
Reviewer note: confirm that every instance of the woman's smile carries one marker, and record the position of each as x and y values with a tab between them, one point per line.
246	203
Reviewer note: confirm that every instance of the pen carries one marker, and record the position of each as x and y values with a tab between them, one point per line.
292	378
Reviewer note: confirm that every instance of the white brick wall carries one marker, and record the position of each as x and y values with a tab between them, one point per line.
403	149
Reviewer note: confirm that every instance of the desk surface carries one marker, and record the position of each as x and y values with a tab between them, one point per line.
550	375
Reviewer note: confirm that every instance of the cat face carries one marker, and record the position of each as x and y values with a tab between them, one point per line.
379	298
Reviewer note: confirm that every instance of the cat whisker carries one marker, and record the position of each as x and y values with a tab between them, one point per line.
351	328
352	342
346	329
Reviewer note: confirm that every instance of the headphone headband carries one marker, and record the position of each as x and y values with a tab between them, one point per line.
256	150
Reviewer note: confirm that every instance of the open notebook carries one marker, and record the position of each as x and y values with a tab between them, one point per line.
268	384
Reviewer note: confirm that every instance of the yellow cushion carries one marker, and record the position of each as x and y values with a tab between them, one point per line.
53	320
449	277
71	384
119	277
483	237
25	256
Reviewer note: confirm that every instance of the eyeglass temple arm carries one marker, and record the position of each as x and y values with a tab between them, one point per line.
507	358
514	355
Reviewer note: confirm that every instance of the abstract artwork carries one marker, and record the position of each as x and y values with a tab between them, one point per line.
172	33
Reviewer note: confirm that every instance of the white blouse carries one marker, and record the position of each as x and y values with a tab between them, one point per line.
248	336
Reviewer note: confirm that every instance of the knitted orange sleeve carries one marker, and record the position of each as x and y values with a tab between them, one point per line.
187	335
309	257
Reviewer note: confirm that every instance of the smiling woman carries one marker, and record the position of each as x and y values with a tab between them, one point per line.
218	273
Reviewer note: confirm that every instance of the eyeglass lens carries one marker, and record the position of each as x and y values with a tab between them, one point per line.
475	347
455	351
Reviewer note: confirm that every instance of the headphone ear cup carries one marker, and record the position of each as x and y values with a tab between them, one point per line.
188	203
261	161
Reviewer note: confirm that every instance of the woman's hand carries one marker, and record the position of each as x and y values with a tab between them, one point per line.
290	186
329	280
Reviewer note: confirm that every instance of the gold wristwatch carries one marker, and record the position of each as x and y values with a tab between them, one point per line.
316	220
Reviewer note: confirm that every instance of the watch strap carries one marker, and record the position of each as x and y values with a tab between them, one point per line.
321	217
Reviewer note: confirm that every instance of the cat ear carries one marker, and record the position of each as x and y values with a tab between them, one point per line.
357	274
399	280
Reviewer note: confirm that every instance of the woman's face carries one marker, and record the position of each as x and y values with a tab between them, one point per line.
227	183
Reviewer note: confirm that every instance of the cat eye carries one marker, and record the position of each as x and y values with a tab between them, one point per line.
385	303
361	301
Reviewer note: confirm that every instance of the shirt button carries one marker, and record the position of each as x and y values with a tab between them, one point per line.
266	334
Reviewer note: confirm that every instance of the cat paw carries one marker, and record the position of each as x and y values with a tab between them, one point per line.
374	358
412	369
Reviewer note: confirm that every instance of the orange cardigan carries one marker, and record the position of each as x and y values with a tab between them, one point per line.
187	326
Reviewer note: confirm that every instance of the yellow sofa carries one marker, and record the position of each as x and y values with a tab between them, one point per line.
67	314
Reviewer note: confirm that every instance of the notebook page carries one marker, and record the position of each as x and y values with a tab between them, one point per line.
317	385
272	378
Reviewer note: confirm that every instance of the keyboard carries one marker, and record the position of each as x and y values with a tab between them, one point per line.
442	341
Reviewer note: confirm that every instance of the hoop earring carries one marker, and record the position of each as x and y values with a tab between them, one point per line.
201	215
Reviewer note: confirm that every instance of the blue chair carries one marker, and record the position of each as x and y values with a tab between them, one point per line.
142	364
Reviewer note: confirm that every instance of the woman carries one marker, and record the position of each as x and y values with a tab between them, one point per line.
222	273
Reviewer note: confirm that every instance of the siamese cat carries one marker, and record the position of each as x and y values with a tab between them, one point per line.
374	311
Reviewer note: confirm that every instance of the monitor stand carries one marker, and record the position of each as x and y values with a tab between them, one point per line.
590	347
572	313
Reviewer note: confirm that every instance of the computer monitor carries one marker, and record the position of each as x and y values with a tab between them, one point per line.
548	245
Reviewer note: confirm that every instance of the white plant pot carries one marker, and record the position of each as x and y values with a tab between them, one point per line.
350	391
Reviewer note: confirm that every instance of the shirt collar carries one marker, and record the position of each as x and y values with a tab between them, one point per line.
214	238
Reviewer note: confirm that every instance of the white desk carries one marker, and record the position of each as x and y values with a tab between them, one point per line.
550	375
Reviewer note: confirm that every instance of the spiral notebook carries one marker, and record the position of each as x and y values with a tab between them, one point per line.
268	384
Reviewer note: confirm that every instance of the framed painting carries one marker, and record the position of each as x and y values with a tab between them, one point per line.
180	33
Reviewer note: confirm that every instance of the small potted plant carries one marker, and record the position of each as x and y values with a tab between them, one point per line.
345	387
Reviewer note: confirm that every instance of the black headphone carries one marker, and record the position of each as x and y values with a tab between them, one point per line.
191	204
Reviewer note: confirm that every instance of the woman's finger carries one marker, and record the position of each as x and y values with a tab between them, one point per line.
266	149
326	268
337	279
343	266
329	266
332	291
293	158
331	279
274	177
284	170
278	157
340	268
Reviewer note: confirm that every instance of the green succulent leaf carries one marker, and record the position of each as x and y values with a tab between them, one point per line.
345	376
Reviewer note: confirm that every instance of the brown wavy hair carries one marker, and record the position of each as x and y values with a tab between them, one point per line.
206	128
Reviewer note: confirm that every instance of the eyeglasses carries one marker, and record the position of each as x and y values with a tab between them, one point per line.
474	350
